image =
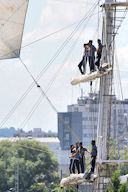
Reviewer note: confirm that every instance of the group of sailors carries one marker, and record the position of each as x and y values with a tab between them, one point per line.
89	55
77	158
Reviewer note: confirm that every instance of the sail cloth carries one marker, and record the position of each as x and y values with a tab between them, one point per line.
104	70
12	19
76	179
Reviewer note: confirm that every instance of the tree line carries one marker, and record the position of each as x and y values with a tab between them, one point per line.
34	163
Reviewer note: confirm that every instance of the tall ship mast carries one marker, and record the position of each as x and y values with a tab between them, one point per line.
12	25
106	87
109	31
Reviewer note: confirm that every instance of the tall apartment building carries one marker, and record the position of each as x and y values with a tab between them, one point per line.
82	120
73	131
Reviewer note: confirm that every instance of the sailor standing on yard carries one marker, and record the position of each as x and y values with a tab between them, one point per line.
99	53
76	157
72	165
83	63
82	156
91	55
93	156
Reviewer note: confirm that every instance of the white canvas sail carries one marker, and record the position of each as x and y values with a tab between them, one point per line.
89	77
77	179
12	19
106	68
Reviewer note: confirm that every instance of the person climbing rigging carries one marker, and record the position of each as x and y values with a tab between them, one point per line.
72	165
82	156
93	156
91	54
83	63
99	53
76	157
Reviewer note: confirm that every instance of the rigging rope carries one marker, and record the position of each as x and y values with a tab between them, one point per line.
50	34
44	37
30	87
44	69
43	151
122	107
53	107
50	102
52	81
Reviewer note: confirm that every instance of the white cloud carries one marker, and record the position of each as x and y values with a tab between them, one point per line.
15	80
121	63
55	16
123	58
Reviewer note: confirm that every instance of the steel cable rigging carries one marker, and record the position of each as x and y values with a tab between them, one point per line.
50	102
44	69
39	100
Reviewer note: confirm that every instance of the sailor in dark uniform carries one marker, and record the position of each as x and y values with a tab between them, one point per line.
82	64
72	165
93	156
82	156
99	53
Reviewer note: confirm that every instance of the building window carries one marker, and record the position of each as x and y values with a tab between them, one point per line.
66	119
66	130
76	109
85	118
84	114
66	144
84	123
90	118
93	109
95	126
85	135
67	136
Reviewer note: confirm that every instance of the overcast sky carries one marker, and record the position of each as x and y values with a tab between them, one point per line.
45	17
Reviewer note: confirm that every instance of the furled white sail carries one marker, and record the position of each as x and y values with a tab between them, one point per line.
92	76
76	179
12	18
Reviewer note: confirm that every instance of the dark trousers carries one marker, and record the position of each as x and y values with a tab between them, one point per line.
72	166
91	63
82	164
82	64
97	63
93	163
77	165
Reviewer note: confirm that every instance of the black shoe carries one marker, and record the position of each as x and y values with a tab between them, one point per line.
87	176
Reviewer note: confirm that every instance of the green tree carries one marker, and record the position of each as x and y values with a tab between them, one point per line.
114	154
38	188
115	185
124	156
123	188
36	164
116	181
3	176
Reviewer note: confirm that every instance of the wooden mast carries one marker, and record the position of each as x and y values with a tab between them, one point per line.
105	97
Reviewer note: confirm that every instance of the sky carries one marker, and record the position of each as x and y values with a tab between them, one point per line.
45	17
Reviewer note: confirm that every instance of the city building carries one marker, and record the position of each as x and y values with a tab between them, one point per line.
37	132
81	120
7	132
70	130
